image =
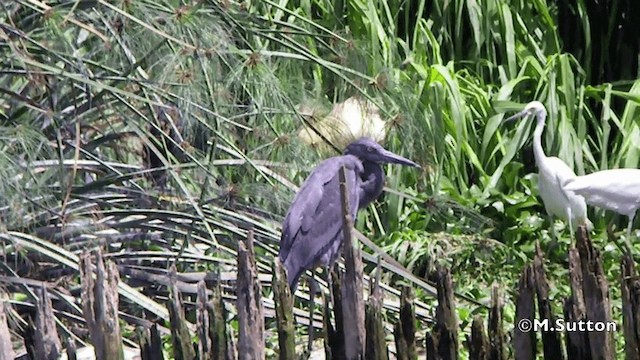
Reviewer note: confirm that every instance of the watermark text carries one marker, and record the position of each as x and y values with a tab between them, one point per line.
526	325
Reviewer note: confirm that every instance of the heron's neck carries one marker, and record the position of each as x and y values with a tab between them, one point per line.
372	183
538	152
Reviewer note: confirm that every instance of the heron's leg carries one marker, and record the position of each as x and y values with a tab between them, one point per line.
571	230
629	227
570	220
552	228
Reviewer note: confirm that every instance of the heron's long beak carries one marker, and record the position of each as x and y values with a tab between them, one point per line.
389	157
515	117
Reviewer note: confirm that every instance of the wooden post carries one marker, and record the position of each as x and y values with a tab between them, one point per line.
180	335
524	343
150	344
100	306
431	343
284	313
47	345
551	346
352	289
328	330
442	343
496	331
334	337
630	306
6	348
577	342
478	342
205	351
376	347
249	303
596	296
218	325
404	330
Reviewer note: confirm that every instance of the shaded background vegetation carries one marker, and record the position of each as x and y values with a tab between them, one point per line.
163	130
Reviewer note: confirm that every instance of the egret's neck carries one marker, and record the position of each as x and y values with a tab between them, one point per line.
372	183
538	152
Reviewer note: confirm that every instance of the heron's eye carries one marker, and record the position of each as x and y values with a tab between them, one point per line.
369	149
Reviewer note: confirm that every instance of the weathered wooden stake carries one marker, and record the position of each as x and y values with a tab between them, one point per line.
376	348
352	289
218	325
402	352
496	330
577	342
205	352
46	342
524	343
444	338
551	345
630	308
284	313
180	335
100	306
404	331
150	344
478	342
334	336
596	296
6	348
249	303
446	316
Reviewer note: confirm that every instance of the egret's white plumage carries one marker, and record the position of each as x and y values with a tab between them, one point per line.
615	189
552	174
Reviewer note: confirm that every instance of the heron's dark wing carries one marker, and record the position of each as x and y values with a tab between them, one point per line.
314	220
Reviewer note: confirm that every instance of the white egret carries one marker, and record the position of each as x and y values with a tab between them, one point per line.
552	174
615	189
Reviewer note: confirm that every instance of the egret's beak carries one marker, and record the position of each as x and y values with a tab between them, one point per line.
389	157
515	117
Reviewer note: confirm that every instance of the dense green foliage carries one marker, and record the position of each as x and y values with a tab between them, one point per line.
164	129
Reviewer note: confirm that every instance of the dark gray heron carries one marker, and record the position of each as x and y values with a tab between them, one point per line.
312	230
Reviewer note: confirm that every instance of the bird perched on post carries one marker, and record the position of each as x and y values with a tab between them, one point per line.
552	174
615	189
312	230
